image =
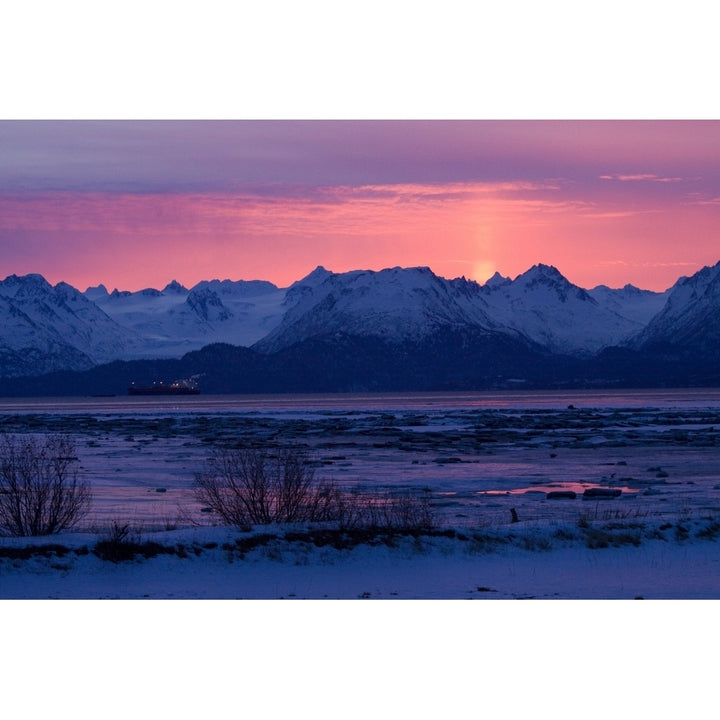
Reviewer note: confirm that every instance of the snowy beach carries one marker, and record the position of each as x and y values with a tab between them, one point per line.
212	564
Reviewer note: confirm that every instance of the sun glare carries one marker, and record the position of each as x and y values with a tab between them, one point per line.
483	270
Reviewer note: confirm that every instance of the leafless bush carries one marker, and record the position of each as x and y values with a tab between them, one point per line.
117	532
246	486
40	491
258	486
388	512
408	511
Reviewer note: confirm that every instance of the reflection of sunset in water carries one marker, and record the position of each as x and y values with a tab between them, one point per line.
570	486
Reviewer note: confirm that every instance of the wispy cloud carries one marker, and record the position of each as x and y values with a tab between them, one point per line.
647	264
267	203
638	177
705	201
617	214
475	227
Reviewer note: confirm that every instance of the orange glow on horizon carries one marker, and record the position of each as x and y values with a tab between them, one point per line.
132	241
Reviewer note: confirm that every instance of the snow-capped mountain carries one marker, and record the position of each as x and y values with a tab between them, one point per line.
540	306
45	328
26	349
302	288
175	320
691	315
395	304
638	306
543	305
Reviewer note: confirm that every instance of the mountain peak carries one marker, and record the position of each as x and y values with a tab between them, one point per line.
16	285
174	286
34	277
317	275
96	291
497	280
542	272
120	293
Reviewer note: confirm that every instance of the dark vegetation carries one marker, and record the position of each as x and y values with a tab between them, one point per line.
249	486
451	359
120	544
41	492
257	486
51	550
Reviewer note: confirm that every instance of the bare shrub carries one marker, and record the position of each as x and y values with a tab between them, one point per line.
404	511
121	543
118	532
40	491
408	511
259	486
246	486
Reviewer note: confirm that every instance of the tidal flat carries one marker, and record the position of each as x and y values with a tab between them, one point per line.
476	457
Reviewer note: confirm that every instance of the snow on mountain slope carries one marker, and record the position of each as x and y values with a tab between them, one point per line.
497	280
59	322
302	288
545	307
394	304
630	302
28	348
176	320
45	328
691	314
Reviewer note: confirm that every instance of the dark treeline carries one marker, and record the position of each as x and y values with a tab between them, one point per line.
449	360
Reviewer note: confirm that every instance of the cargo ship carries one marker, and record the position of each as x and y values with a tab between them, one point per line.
179	387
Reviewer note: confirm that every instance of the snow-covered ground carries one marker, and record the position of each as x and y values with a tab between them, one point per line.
211	563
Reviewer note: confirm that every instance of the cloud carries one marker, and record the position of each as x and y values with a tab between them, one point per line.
648	263
613	214
54	210
705	201
165	156
637	177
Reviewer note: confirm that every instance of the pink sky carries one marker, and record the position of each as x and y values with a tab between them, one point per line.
137	204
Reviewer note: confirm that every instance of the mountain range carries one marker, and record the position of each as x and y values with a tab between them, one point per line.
393	329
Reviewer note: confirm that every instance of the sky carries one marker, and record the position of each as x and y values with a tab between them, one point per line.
134	204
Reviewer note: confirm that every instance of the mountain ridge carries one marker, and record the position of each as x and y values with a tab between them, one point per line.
390	313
